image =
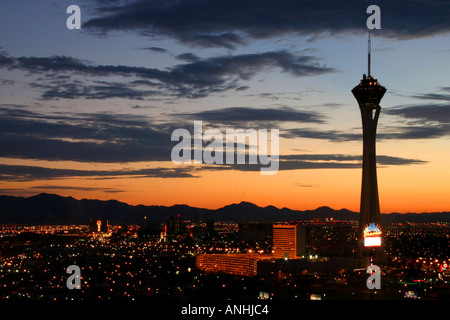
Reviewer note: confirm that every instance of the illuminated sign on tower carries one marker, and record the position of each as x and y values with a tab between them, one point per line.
372	236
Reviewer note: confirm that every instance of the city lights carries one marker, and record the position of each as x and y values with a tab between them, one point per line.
130	264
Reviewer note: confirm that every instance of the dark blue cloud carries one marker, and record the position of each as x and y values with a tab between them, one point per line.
229	23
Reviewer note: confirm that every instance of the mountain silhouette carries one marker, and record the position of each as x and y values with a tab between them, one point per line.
54	209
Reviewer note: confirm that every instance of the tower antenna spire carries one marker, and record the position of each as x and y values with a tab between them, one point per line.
368	55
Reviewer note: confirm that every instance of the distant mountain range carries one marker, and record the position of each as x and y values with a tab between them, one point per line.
54	209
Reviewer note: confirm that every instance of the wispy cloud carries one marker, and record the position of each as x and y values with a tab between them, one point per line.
319	161
426	120
30	173
433	112
155	49
79	188
241	115
195	79
120	138
94	137
409	132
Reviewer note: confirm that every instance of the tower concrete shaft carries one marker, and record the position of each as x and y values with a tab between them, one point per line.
370	205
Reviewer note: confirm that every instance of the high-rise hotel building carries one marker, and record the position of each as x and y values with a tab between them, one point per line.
289	241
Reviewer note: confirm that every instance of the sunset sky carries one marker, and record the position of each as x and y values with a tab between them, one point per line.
89	113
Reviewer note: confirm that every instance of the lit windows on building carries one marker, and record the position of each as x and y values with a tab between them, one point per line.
289	241
243	264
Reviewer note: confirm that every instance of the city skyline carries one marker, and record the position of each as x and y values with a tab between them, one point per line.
89	113
135	263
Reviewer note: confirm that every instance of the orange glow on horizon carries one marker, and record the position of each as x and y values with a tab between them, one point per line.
402	188
296	190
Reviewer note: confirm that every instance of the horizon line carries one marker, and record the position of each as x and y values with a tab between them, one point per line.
234	203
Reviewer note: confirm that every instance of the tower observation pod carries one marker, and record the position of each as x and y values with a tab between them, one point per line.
369	93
